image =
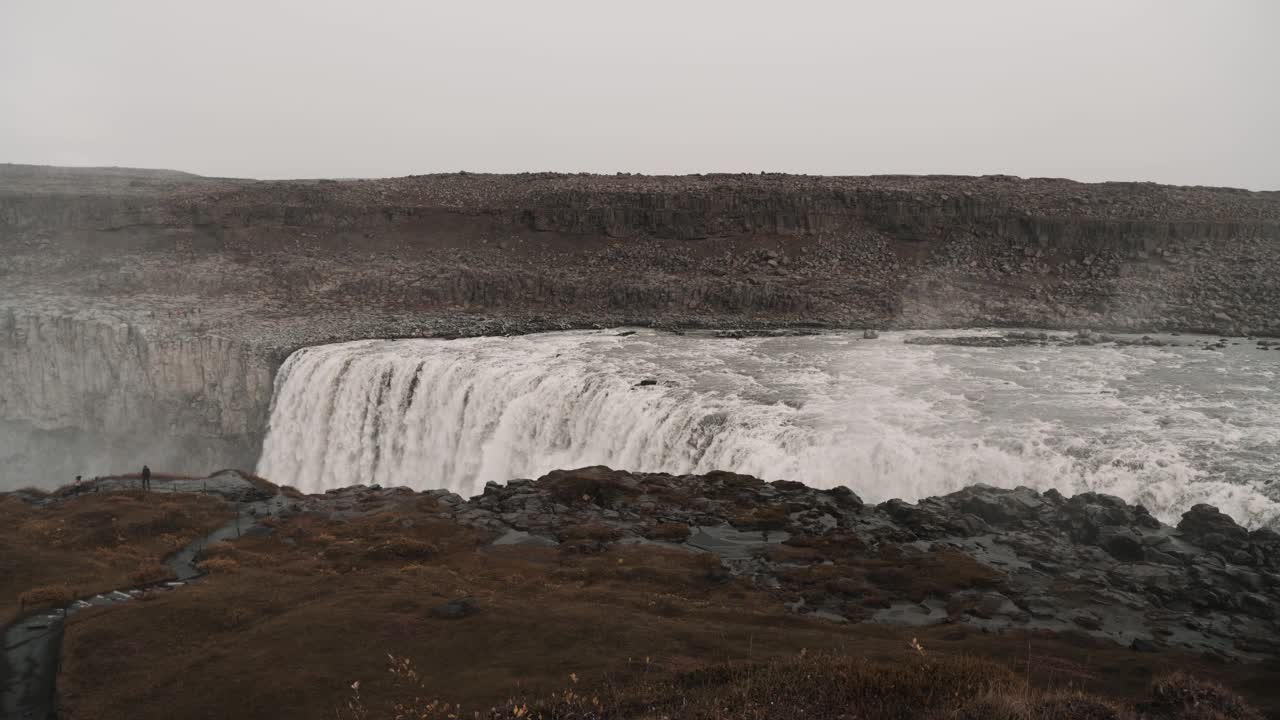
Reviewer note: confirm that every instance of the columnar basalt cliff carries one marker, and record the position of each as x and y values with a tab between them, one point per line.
256	269
79	394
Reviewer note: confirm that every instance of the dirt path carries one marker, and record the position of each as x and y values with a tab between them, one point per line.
32	644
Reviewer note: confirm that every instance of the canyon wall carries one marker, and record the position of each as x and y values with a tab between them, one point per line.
142	313
89	396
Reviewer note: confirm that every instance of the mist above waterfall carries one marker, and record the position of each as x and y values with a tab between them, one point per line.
1161	426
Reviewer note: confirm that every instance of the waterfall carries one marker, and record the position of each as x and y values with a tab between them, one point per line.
451	415
886	419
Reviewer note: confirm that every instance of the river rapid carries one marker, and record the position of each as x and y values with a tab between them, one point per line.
1168	427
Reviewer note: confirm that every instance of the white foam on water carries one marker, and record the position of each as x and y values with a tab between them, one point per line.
1160	426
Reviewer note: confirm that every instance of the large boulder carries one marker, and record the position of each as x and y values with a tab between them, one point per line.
1086	514
1000	508
596	485
1205	526
1203	520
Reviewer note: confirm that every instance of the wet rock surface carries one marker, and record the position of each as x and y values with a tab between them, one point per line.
1022	338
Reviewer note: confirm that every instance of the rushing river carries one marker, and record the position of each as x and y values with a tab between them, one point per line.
1168	427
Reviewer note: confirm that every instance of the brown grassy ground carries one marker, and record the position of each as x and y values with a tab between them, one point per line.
285	624
824	687
94	542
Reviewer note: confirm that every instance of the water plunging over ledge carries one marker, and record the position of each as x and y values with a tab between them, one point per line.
1165	426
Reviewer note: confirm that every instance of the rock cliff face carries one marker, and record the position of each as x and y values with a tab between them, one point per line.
248	271
713	250
85	395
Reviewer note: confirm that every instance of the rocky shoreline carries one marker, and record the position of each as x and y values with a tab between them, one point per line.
1086	576
999	560
1089	567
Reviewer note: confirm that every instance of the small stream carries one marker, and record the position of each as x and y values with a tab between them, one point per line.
33	643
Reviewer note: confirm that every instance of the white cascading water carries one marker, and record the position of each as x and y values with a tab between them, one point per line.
1168	427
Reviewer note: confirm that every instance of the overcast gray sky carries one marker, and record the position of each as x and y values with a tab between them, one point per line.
1174	91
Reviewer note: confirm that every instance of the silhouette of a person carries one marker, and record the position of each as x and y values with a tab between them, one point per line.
146	478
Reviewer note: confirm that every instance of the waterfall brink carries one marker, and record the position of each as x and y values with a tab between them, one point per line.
886	419
430	414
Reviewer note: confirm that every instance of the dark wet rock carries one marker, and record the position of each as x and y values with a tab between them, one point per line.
718	575
1143	645
1087	620
739	334
1210	528
1162	558
844	497
519	537
647	382
1122	542
455	609
1257	605
1000	507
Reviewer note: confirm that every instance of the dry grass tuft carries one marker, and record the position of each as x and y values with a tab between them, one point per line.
669	532
401	548
95	541
637	621
769	517
47	596
1036	706
219	565
598	485
1186	697
815	687
873	580
150	572
595	532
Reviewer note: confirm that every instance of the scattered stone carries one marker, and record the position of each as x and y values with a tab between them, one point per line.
520	537
455	609
1143	645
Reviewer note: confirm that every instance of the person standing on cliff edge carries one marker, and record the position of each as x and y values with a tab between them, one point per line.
146	478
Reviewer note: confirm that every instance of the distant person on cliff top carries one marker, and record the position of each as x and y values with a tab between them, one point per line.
146	478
